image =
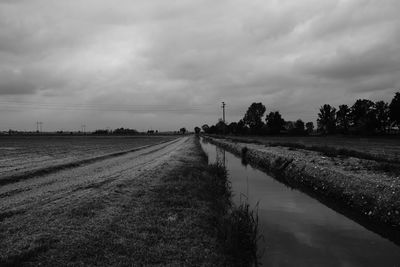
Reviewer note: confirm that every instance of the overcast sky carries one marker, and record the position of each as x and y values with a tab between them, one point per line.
169	64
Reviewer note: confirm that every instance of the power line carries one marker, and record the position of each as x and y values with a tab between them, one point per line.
18	105
97	105
16	108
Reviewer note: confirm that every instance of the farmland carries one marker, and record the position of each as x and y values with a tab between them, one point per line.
387	149
151	206
23	155
149	200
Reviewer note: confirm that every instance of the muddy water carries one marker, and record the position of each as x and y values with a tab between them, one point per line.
298	230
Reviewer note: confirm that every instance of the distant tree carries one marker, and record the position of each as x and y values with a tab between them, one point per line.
310	127
274	122
382	116
212	129
233	128
394	110
205	128
299	127
124	131
326	119
253	117
363	116
221	127
182	130
101	132
289	126
343	119
197	130
241	127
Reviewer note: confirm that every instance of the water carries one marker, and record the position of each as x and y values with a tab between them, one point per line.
298	230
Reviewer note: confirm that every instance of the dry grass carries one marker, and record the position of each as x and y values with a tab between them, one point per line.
165	216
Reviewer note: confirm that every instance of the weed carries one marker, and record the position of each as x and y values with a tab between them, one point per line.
238	225
241	234
389	168
244	151
292	145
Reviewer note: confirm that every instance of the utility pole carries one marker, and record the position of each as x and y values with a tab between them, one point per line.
39	126
223	111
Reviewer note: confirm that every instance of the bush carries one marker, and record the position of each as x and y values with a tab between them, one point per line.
244	151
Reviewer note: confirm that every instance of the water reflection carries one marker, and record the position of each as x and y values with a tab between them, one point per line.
300	231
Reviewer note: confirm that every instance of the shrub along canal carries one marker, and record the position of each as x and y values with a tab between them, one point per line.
299	230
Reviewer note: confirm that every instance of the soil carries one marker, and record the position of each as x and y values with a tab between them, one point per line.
141	208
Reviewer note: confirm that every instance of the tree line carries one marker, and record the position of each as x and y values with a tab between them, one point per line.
363	117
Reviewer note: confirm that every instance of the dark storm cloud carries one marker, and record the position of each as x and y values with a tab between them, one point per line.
291	55
16	88
345	65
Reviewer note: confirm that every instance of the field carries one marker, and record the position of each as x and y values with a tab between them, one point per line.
386	149
152	206
23	155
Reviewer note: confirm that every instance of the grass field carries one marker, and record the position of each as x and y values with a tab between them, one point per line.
386	149
23	154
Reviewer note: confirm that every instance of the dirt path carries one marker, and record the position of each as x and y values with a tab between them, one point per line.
90	212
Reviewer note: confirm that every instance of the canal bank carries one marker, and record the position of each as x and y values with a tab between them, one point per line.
299	230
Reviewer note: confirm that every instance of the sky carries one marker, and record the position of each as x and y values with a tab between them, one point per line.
148	64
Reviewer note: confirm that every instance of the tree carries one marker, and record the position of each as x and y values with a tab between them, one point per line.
394	110
253	117
212	130
182	130
326	119
298	127
343	119
241	127
274	122
289	126
382	116
310	127
205	128
197	130
233	127
127	131
221	127
363	116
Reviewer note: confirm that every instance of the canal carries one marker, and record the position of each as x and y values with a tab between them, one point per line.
297	229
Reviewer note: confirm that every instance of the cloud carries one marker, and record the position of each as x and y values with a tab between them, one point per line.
291	55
